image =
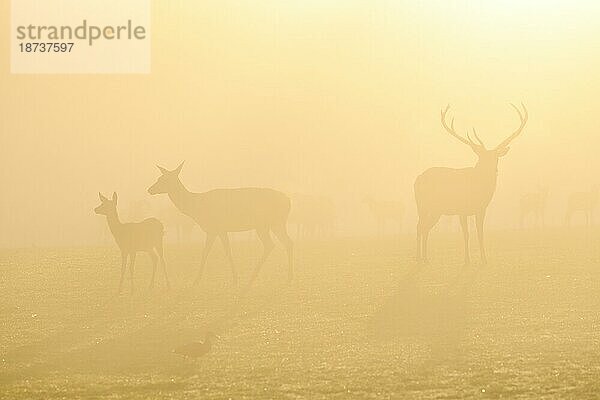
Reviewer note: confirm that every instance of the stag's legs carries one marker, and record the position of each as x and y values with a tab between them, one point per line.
419	240
210	239
265	238
161	254
154	259
227	247
123	267
282	235
423	228
131	265
480	218
464	224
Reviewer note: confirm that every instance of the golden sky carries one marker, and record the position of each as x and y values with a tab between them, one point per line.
339	98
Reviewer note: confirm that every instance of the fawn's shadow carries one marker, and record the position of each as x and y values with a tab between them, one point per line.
419	310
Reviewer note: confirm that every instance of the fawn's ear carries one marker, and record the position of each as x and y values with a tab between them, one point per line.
178	169
162	170
101	197
114	198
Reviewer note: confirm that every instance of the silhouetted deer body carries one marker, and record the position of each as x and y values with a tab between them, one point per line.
463	192
585	202
384	211
534	203
221	211
133	237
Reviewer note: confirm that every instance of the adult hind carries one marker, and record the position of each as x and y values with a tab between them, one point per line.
221	211
132	237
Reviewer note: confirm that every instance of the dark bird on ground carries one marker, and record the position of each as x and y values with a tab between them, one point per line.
197	349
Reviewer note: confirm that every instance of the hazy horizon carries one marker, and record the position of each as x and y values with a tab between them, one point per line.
321	98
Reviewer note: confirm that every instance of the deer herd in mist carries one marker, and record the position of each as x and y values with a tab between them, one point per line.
438	191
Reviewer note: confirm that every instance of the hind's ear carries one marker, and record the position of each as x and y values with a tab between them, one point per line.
178	169
114	198
101	197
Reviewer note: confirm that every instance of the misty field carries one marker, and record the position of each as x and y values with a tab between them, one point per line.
359	321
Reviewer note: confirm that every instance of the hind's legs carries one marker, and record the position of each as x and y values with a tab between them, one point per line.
227	247
154	259
161	256
210	239
124	257
265	238
282	235
131	265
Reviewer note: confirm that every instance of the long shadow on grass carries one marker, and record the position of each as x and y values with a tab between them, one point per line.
433	315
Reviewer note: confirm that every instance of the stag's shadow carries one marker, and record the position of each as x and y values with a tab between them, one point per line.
422	310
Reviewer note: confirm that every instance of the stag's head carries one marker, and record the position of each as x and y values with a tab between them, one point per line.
107	206
167	182
488	158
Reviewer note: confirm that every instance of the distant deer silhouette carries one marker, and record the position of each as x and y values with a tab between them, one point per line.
534	203
144	236
463	192
221	211
384	211
585	202
313	215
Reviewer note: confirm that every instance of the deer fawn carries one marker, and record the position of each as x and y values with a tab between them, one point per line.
534	203
133	237
585	202
221	211
463	192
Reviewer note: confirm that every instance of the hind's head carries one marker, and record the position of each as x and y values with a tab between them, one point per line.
167	182
107	206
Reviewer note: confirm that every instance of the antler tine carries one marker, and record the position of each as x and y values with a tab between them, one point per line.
478	138
518	111
469	137
525	110
451	130
523	117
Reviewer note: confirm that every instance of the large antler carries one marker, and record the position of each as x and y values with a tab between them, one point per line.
451	131
523	117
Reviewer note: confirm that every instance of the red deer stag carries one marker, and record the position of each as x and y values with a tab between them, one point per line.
221	211
463	192
133	237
